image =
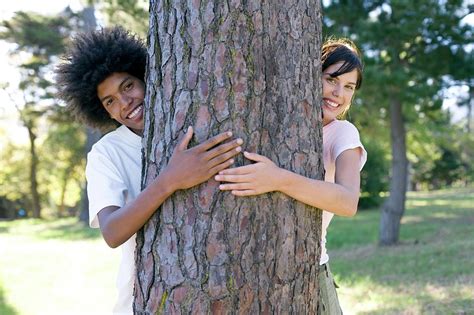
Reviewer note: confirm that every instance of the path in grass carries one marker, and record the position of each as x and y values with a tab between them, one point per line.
431	271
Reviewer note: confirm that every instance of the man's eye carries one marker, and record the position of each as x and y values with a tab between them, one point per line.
109	102
128	86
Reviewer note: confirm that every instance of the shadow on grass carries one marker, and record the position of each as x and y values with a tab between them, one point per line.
5	309
69	229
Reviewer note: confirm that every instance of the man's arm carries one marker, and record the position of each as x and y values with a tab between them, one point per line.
187	168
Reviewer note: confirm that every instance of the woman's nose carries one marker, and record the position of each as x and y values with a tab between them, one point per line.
337	90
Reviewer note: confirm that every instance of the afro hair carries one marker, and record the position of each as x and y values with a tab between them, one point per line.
90	59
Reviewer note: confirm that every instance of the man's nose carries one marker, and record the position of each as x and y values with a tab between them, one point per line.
125	99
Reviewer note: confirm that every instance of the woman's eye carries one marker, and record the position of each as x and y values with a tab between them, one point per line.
350	88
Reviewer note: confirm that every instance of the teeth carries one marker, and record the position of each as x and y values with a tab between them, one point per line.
331	103
135	112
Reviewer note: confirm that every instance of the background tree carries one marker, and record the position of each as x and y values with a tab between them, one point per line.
38	40
404	75
253	68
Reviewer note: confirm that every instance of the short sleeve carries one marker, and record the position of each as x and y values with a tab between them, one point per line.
105	186
348	138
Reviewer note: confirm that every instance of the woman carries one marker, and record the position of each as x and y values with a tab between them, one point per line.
343	154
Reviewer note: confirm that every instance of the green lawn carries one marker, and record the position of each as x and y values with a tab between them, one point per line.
62	267
56	267
431	271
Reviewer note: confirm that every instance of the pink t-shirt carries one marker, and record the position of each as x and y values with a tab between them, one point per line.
338	136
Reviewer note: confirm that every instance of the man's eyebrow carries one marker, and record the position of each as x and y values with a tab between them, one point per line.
120	86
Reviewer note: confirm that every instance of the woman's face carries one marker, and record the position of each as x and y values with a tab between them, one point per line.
337	92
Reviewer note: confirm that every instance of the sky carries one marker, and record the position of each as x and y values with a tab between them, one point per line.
8	120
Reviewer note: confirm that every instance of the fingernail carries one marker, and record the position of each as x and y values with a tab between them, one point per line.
231	161
246	153
238	149
217	177
221	186
240	141
229	133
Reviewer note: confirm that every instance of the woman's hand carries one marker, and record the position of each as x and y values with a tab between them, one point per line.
255	179
190	167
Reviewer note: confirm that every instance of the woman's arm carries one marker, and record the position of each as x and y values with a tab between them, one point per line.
340	198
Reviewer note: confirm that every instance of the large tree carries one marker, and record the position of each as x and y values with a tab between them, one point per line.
251	67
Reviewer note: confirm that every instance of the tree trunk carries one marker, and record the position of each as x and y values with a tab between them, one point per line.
252	68
394	207
33	172
90	23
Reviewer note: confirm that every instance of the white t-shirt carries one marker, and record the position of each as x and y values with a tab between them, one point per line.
113	175
338	136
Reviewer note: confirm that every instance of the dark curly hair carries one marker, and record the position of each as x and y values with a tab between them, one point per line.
90	59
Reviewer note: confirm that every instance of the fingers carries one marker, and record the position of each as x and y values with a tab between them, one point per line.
216	169
242	170
183	144
239	186
231	178
224	157
214	141
244	193
256	157
240	190
222	148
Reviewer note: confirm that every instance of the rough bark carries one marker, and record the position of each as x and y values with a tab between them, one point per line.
251	67
394	207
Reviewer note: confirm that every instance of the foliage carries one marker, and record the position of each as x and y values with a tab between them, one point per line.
373	177
64	170
403	46
38	40
133	14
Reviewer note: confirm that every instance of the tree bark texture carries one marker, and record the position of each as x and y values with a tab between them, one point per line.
254	68
394	207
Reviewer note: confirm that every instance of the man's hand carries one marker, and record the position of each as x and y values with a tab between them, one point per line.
190	167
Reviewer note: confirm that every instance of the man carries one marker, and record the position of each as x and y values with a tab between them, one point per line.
101	81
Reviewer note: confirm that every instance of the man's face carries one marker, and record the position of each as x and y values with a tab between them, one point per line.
122	96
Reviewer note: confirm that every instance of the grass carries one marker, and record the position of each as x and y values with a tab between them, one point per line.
430	271
55	267
62	267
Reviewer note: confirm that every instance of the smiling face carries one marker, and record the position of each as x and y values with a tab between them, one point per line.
122	96
337	92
